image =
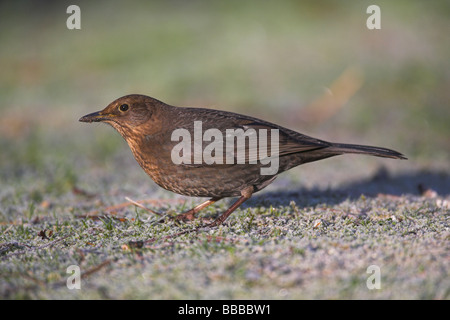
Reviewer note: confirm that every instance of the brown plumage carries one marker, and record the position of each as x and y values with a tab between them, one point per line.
147	125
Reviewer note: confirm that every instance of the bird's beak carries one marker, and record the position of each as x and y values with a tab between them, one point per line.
93	117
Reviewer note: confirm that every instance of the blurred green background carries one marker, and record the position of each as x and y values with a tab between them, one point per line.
276	60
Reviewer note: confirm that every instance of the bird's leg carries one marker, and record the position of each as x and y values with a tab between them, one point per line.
245	195
190	214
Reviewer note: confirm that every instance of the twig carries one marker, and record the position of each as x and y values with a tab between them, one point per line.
111	209
37	248
137	204
95	268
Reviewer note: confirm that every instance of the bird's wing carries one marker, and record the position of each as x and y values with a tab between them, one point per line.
249	141
285	141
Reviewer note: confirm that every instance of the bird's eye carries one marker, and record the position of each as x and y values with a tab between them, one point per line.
123	107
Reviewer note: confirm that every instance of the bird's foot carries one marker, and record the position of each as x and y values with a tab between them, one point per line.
186	216
190	216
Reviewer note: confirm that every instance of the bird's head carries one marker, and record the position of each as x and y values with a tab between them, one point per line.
127	114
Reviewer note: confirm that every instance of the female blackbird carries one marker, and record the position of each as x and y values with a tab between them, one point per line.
217	162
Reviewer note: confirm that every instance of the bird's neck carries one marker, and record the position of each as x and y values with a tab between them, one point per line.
140	151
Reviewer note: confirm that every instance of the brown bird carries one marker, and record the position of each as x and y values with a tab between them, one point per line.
214	153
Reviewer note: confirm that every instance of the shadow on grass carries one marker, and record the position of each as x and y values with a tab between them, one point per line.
414	183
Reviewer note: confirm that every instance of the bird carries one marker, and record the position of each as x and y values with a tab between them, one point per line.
201	152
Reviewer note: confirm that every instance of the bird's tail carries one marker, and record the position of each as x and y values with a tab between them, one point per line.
340	148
